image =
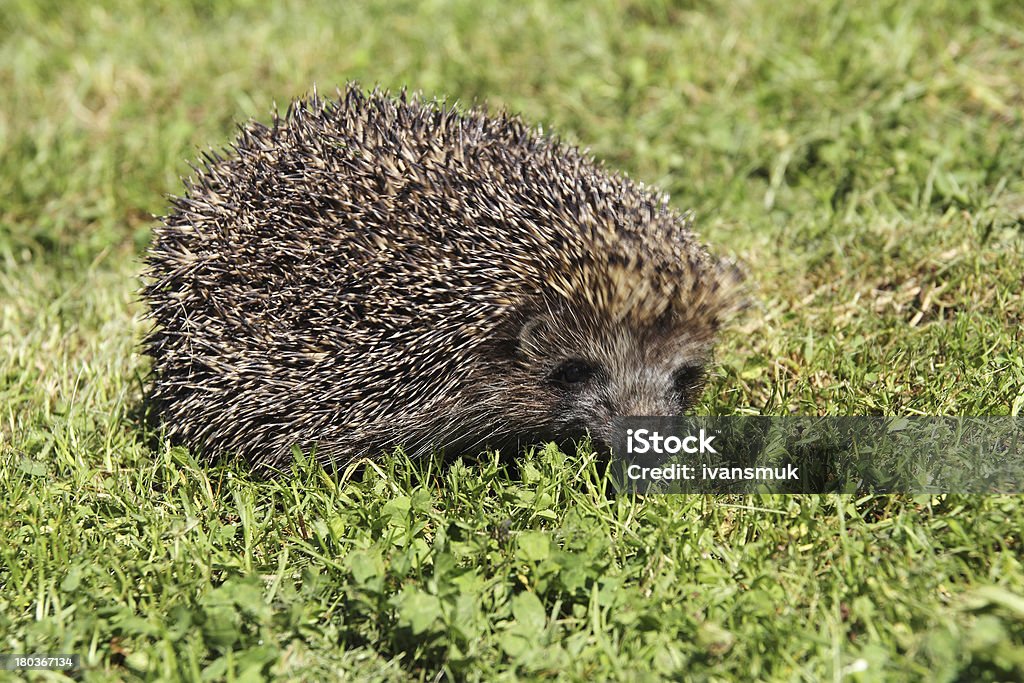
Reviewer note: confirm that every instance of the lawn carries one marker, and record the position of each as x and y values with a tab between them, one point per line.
863	160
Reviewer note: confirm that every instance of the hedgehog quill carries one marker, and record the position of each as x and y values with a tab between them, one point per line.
372	272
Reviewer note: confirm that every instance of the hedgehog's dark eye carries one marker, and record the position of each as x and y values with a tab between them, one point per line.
687	380
573	372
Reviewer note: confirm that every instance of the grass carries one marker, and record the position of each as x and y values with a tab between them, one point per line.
863	159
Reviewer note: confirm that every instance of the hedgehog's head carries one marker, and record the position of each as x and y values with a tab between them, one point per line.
636	343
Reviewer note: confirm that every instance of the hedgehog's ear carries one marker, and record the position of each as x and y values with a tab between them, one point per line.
529	339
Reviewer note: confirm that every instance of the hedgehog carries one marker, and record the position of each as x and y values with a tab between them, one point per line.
374	272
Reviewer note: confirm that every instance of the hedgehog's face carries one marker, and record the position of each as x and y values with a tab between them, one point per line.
586	376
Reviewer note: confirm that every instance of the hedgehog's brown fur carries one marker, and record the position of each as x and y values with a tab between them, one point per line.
375	272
